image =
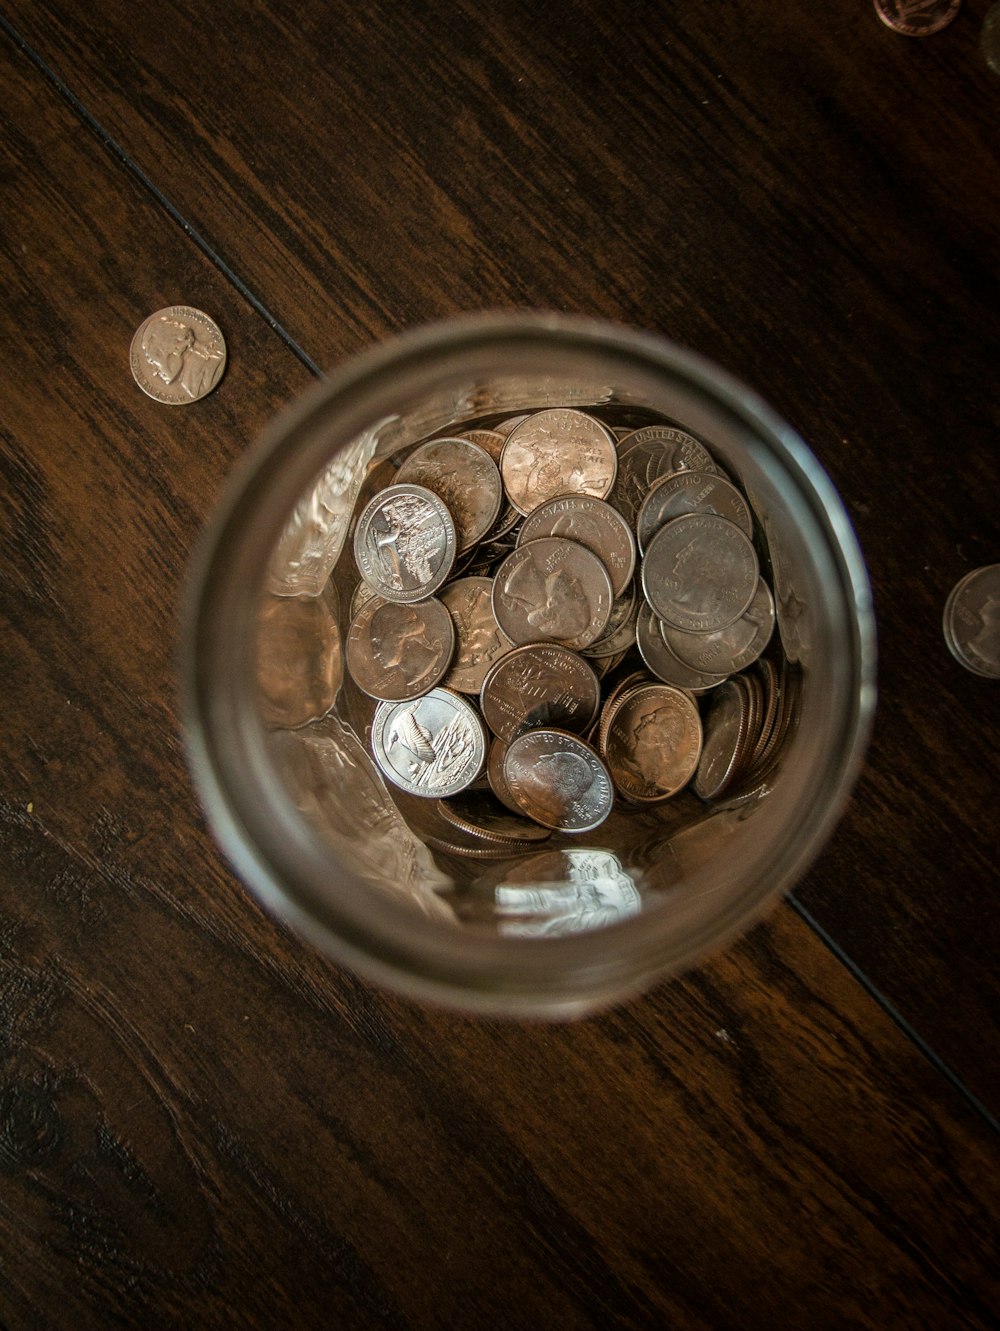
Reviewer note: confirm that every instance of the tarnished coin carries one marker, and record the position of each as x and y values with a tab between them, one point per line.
727	650
552	590
404	543
558	780
397	652
653	742
592	523
700	573
480	639
972	621
178	355
661	661
647	454
728	739
465	478
479	814
434	746
299	659
492	441
619	633
540	685
690	492
917	18
555	452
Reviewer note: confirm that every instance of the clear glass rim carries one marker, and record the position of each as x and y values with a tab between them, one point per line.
268	844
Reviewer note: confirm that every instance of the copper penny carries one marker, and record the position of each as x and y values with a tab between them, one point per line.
653	742
917	18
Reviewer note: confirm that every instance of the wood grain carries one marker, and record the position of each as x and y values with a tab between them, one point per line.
205	1124
783	195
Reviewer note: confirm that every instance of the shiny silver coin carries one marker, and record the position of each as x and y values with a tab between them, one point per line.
661	661
552	590
725	740
647	454
433	747
404	543
971	621
731	649
558	780
398	652
592	523
554	452
700	573
481	642
540	685
178	355
652	743
465	478
690	492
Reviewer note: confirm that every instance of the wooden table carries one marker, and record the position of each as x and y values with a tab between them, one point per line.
203	1123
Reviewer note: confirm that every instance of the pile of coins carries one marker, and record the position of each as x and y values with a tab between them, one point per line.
516	654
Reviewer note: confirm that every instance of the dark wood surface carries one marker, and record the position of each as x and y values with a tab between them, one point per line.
202	1122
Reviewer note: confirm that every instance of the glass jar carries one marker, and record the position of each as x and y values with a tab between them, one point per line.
288	782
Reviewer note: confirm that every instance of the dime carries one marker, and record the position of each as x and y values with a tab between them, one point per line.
727	650
178	355
435	746
299	659
465	478
558	780
554	452
653	742
552	590
699	573
592	523
481	640
404	543
917	18
398	652
690	492
647	454
725	740
661	661
972	621
540	685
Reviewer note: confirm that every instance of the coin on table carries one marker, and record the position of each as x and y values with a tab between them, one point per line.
917	18
652	742
480	640
690	492
972	621
592	523
433	746
660	660
552	590
397	651
465	478
178	355
647	454
554	452
700	573
558	780
540	685
404	543
733	648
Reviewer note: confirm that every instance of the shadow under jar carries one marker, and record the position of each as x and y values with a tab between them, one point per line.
279	733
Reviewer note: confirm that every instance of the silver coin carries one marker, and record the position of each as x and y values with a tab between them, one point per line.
661	661
592	523
647	454
398	652
465	478
552	590
481	642
652	742
690	492
554	452
404	543
725	740
699	573
178	355
434	746
558	780
540	685
619	633
971	621
733	648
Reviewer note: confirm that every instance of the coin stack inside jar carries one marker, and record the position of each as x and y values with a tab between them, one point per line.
556	612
